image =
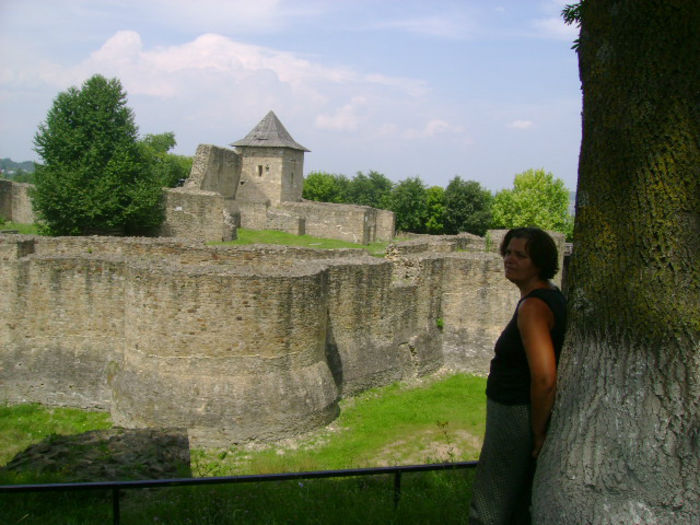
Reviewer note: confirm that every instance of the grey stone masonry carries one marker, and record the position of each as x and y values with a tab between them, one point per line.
237	343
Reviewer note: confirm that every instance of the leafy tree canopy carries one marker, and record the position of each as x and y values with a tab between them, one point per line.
435	201
372	189
537	199
467	207
326	187
94	177
409	202
169	169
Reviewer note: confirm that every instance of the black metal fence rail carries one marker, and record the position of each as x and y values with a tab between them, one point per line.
116	486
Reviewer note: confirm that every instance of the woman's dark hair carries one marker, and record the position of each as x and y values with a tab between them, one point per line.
540	247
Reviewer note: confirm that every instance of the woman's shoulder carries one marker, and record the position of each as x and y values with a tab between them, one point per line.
550	296
550	292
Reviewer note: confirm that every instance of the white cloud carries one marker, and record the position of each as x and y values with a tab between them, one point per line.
521	124
345	118
144	70
433	128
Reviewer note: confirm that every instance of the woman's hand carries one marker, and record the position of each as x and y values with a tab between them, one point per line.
538	441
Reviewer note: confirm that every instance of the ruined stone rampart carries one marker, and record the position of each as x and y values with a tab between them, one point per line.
15	204
197	214
235	343
346	222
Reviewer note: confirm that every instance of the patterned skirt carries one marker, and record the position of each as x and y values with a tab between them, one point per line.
503	484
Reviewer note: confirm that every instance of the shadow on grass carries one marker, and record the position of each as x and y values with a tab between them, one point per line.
102	455
118	454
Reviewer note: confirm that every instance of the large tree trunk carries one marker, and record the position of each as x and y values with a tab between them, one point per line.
624	442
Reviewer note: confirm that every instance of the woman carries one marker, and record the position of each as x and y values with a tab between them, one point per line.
522	381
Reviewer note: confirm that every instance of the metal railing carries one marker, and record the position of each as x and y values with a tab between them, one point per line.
117	486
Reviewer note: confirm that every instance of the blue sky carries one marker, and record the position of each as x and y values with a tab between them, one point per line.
483	89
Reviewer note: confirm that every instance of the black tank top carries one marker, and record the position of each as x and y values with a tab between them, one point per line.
509	378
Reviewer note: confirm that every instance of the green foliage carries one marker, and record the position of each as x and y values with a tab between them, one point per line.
537	199
167	168
372	190
409	201
17	171
572	13
94	177
326	187
435	200
23	176
468	207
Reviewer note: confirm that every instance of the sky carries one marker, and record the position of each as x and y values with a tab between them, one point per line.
481	89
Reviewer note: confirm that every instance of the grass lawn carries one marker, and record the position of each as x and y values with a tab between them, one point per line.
255	237
25	229
246	236
434	420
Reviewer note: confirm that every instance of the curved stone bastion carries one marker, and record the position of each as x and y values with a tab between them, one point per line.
236	343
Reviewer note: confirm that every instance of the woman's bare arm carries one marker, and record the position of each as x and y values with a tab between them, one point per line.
535	320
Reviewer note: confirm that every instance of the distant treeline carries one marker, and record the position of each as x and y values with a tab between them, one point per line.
536	199
17	171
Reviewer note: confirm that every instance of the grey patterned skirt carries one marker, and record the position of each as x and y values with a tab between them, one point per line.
503	483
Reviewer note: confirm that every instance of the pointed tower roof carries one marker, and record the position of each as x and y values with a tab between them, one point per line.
269	133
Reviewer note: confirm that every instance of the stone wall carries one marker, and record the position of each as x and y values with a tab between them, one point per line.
215	169
281	220
476	306
197	214
385	225
235	343
15	204
346	222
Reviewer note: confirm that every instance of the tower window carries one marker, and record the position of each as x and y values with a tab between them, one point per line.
260	170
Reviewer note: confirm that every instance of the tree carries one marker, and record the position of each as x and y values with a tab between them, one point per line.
408	201
537	199
623	440
372	189
468	207
435	204
94	178
325	187
169	169
23	176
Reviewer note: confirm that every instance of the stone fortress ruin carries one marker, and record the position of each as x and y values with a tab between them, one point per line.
259	186
240	343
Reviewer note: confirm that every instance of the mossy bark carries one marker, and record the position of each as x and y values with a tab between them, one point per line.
624	441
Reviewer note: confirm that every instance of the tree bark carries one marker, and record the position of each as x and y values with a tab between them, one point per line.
624	441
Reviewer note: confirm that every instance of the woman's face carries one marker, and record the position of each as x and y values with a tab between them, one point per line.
518	266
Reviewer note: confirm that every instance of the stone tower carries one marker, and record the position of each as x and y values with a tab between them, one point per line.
272	164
